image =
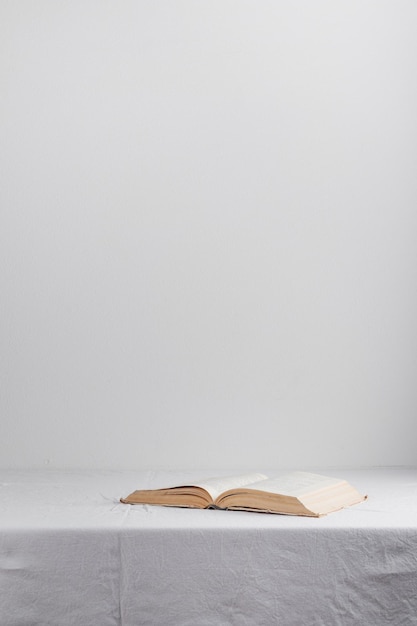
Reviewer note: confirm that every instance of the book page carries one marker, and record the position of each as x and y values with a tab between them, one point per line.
216	486
295	483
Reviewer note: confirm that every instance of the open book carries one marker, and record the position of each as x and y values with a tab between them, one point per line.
292	493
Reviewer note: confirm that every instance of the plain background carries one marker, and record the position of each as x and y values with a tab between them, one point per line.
208	233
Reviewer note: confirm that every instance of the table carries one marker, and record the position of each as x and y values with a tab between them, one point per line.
72	555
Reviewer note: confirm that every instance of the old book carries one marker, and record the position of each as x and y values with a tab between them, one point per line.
290	493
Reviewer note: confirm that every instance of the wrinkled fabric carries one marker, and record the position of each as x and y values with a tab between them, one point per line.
72	554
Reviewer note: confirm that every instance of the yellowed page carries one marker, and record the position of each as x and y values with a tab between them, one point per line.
295	483
216	486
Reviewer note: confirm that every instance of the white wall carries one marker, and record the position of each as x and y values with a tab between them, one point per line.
208	233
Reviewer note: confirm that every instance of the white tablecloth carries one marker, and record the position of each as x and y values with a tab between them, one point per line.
72	555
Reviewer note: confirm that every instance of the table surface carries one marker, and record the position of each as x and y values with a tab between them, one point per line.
46	499
71	553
